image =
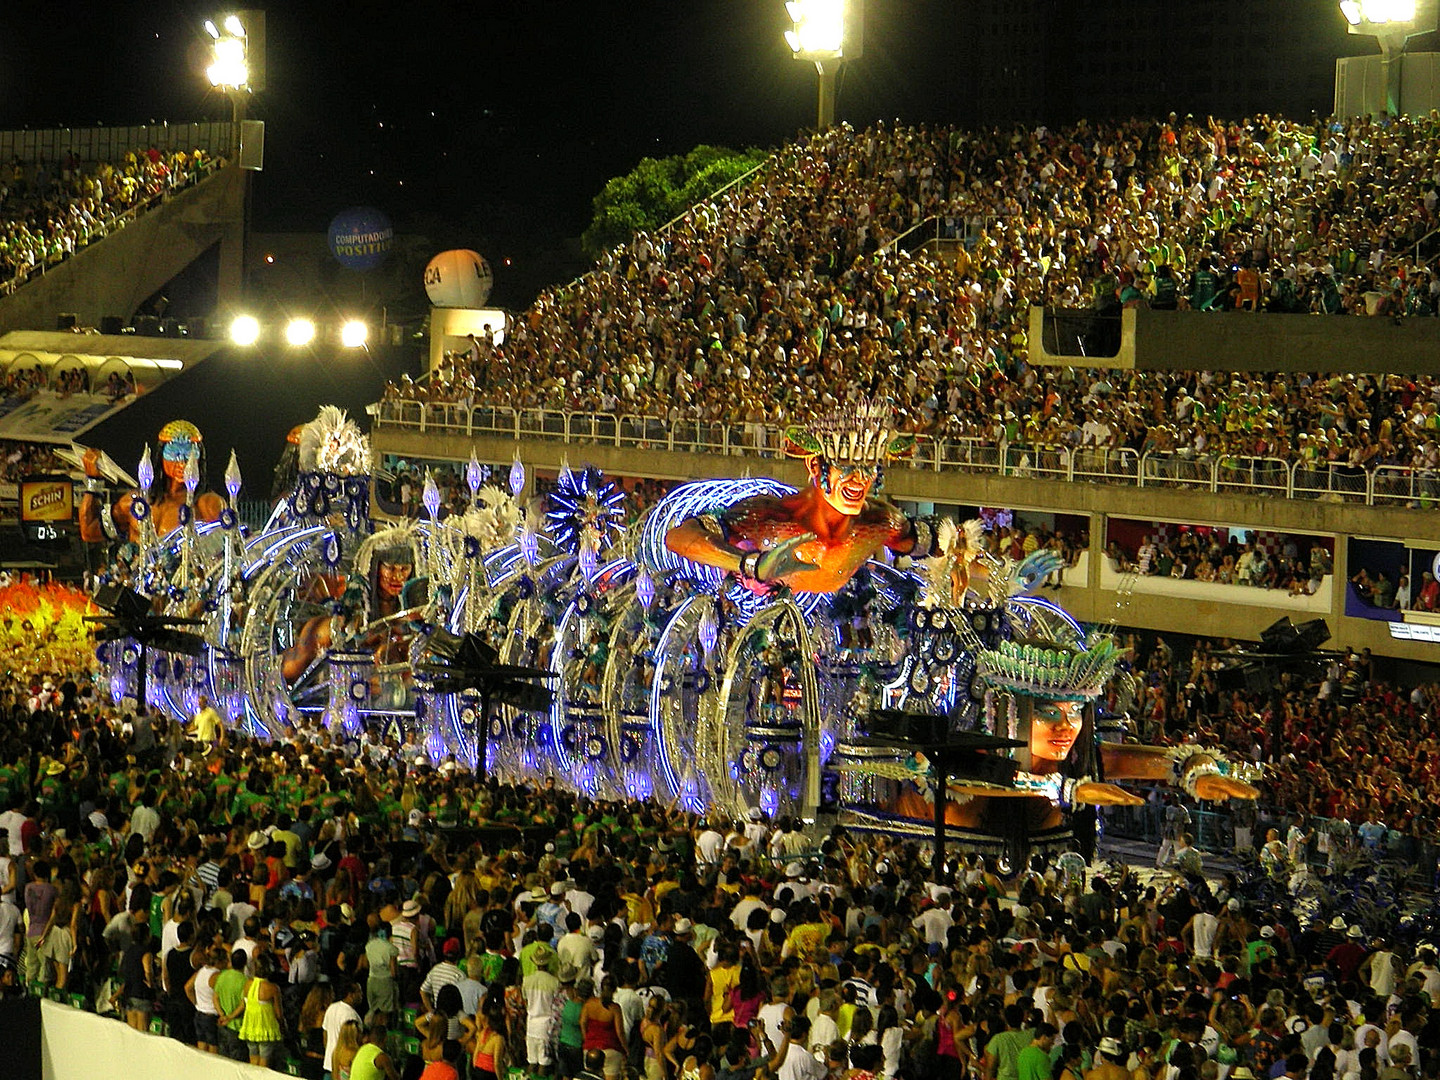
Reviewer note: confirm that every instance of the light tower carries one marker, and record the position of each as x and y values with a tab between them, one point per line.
1392	23
826	33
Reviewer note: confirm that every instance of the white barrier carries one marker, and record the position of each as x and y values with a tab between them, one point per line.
77	1045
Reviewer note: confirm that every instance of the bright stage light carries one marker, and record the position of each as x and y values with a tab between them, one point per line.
228	67
819	26
299	332
245	330
1378	12
210	29
354	334
234	27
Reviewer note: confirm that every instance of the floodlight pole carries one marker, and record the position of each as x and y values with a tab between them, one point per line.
829	73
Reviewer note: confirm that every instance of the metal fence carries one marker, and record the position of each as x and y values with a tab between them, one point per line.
1386	485
52	145
1214	832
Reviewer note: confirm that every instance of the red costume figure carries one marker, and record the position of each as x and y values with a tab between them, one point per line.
815	539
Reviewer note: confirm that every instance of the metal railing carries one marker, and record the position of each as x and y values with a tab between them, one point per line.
1384	485
1213	830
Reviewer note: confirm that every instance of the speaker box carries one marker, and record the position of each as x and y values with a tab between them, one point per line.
67	320
1314	633
124	602
252	145
111	324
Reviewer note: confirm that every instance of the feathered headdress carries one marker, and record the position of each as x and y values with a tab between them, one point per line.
1048	670
860	433
333	443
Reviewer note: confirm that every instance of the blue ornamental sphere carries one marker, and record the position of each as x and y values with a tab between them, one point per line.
361	238
458	279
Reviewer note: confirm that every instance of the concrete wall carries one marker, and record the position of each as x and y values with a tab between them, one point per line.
115	275
1246	341
1220	611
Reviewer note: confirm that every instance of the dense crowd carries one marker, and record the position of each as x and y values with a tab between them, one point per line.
1298	564
298	905
50	210
777	299
19	458
1357	750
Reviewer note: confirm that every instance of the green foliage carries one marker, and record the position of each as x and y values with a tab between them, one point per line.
660	189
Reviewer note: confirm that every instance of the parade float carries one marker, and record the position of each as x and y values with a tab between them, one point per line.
729	648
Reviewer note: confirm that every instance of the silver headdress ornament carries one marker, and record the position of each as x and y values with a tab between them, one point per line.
1044	669
858	433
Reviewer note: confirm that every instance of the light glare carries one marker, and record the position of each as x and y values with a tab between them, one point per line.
354	334
210	29
299	332
245	330
228	68
234	26
819	26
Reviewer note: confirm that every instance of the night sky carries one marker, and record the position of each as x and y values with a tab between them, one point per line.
497	119
489	123
485	125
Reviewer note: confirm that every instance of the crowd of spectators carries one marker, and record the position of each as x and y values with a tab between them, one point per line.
50	210
1350	747
297	905
19	459
781	297
1298	564
1380	590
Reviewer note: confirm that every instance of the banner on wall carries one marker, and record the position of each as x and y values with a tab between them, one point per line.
47	498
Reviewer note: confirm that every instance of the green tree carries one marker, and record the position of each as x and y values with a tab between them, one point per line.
659	189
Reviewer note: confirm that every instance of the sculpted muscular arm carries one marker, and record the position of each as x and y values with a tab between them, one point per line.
702	539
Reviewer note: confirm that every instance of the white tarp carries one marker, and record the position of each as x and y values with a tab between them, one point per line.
76	1045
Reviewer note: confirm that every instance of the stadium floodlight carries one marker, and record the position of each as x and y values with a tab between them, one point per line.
227	64
299	332
354	334
825	33
245	330
1392	23
234	27
819	27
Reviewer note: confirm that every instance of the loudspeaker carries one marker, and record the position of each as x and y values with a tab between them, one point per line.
111	324
122	601
67	320
909	727
1314	633
252	145
147	325
1281	636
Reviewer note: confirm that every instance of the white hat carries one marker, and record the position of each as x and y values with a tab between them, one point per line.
637	928
683	926
1267	931
778	915
793	870
557	889
257	840
410	908
320	862
1355	932
1233	903
1337	923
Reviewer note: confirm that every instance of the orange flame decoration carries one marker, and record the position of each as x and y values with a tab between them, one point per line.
57	637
